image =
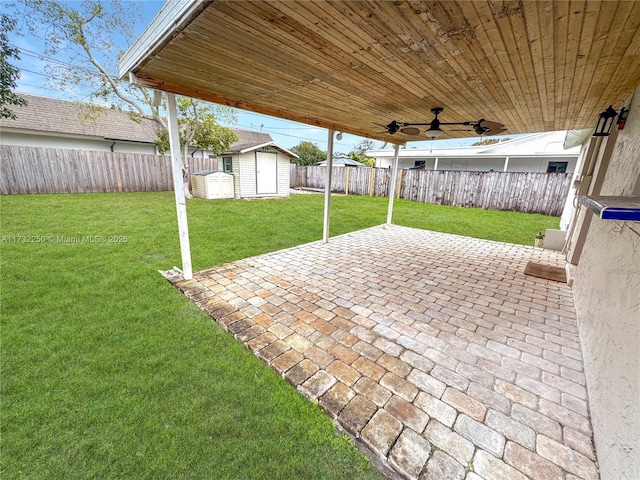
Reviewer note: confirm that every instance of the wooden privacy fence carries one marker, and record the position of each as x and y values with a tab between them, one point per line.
527	192
57	170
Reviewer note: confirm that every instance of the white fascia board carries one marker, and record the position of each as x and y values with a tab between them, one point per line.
468	156
423	152
575	138
45	133
174	16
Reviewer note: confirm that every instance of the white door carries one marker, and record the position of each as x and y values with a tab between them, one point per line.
266	173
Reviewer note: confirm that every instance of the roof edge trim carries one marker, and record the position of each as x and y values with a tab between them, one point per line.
268	144
172	18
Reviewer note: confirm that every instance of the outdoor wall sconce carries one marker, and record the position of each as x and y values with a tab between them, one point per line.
605	122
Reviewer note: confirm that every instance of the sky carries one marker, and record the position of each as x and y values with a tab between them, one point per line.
33	80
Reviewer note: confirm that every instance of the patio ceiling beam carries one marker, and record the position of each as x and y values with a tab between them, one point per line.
178	185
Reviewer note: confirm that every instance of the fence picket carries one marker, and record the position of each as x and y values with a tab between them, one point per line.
56	170
48	170
529	192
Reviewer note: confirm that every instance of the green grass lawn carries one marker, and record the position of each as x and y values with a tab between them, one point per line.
109	372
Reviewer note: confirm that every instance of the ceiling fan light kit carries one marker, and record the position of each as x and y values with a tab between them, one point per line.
480	127
433	132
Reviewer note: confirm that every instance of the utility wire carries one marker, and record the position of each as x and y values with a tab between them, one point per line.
270	129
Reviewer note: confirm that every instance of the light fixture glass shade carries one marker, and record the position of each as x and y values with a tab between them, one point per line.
434	132
605	122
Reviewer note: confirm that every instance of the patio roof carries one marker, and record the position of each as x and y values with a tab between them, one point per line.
355	66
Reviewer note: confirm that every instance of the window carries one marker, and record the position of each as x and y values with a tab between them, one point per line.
420	164
227	164
557	167
461	165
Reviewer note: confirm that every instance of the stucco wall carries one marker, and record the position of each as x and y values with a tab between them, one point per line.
607	299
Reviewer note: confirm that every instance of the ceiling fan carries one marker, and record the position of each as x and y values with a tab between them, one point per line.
480	127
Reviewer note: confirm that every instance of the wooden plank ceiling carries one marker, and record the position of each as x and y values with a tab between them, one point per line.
354	66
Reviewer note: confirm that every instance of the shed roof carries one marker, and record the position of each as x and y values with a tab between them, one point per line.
355	66
243	146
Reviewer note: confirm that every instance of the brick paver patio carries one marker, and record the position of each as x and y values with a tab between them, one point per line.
434	351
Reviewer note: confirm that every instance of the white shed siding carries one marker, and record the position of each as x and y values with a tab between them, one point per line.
283	174
235	171
247	174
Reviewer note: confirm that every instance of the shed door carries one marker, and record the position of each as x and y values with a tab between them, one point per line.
266	173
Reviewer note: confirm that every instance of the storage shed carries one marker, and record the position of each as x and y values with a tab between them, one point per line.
210	184
258	169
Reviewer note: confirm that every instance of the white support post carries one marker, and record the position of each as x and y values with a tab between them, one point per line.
327	188
394	181
178	185
506	164
435	164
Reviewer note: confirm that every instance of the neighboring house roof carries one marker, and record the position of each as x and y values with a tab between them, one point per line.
248	138
242	146
346	161
537	144
62	117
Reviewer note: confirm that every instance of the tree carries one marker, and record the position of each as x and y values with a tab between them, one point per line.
9	74
91	33
359	152
489	141
309	153
197	128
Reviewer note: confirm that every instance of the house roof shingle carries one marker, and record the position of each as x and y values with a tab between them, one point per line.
63	117
51	115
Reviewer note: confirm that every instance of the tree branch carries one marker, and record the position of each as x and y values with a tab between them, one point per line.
82	41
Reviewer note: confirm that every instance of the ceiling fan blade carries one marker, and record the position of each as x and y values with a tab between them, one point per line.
488	124
410	130
495	132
